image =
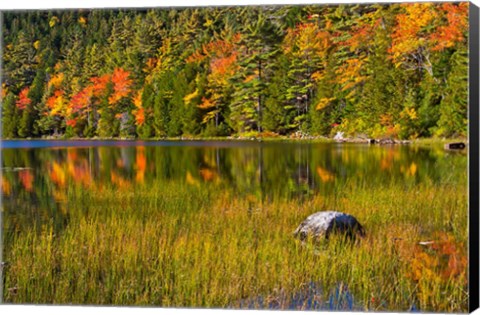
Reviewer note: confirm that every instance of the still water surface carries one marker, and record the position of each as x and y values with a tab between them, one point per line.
37	175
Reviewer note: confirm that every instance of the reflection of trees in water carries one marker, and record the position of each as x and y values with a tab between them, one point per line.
39	190
28	201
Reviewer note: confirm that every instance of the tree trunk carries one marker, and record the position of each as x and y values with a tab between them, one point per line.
259	101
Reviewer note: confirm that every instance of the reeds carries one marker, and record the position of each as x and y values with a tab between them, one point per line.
175	244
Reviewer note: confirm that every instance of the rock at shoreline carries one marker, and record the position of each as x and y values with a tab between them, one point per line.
386	141
339	137
455	146
322	224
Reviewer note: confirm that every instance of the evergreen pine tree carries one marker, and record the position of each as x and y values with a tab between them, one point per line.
10	117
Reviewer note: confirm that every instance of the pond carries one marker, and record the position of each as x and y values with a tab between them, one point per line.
172	223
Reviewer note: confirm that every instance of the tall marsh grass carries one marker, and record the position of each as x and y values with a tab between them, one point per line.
176	244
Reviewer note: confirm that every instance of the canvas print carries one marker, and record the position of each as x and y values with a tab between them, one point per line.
293	157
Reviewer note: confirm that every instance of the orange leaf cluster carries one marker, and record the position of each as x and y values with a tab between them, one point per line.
306	39
206	103
72	122
361	35
444	259
56	80
410	32
197	56
100	85
151	64
23	99
218	48
56	103
121	85
139	112
350	73
447	35
81	100
225	65
140	117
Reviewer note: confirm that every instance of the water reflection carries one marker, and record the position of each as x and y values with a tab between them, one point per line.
36	179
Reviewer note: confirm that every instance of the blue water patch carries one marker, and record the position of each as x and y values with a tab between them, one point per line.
414	309
310	297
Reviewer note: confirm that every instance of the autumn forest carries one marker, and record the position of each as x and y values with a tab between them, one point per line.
398	70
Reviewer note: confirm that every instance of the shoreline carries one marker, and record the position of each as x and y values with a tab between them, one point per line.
286	139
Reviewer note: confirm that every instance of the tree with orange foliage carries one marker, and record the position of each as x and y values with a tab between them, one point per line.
138	112
430	39
221	58
100	85
80	109
121	86
23	99
318	69
411	38
120	102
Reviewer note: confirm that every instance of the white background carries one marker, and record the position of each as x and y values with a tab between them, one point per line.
51	4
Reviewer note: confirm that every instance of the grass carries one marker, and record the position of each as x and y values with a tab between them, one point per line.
206	246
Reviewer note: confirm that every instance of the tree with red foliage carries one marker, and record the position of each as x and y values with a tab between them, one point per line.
122	85
23	99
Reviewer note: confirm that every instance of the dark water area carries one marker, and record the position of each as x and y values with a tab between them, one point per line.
37	175
23	144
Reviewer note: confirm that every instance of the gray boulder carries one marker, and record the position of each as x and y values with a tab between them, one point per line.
322	224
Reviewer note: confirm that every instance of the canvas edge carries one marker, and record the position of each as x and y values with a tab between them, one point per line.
473	135
1	170
473	230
